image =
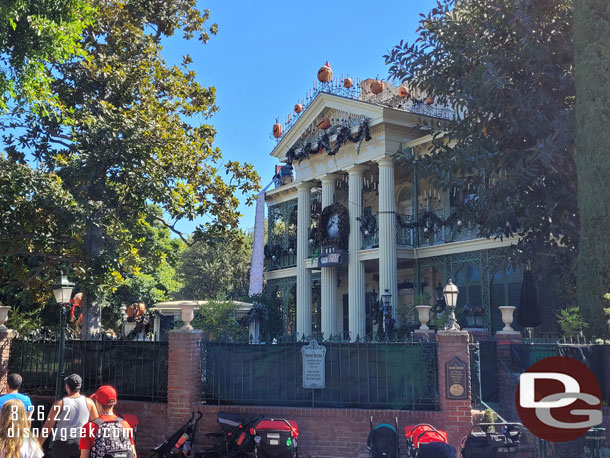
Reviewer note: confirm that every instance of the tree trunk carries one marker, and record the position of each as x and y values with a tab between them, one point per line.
91	309
592	70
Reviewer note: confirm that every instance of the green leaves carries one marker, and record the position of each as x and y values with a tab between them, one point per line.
507	68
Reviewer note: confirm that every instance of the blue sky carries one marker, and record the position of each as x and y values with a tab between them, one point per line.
266	57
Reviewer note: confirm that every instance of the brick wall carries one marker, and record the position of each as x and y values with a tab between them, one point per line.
5	348
336	433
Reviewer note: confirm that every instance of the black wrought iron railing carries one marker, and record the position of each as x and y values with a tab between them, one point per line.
138	370
385	375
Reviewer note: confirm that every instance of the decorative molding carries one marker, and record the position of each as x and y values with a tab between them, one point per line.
281	273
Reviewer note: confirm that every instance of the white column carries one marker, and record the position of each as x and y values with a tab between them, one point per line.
303	274
387	231
356	291
329	274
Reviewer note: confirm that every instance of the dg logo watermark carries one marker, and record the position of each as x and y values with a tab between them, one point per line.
559	399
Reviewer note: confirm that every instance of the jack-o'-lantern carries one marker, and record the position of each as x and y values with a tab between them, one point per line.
298	108
324	123
136	309
325	74
377	87
347	83
277	130
429	100
403	91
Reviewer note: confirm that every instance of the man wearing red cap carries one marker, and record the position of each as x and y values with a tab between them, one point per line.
108	433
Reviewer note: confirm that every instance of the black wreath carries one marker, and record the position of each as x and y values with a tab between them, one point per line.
342	240
343	136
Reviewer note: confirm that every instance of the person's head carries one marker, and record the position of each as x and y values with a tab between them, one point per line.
14	427
105	398
14	382
73	383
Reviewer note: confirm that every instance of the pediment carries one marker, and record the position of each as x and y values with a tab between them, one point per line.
340	112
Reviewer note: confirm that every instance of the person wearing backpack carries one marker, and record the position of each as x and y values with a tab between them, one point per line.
108	436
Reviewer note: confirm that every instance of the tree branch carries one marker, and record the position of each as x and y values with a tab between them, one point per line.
172	228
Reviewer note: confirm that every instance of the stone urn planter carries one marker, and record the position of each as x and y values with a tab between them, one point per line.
507	317
4	309
424	316
188	314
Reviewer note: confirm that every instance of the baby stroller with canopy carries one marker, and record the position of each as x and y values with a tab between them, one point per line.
492	440
276	438
181	442
253	436
425	441
383	440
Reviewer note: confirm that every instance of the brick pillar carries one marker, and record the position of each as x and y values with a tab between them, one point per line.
457	414
506	374
6	336
184	376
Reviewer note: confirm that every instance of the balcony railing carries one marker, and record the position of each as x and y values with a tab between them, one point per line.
405	236
281	262
370	239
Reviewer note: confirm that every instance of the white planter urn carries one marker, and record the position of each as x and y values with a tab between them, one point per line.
4	309
188	314
424	316
507	317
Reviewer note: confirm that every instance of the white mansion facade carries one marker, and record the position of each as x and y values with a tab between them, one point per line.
385	197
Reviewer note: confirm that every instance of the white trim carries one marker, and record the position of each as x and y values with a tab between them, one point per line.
281	273
462	247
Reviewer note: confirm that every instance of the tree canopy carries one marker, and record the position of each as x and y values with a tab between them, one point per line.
506	67
33	34
126	134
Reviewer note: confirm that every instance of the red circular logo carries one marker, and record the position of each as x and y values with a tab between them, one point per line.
558	399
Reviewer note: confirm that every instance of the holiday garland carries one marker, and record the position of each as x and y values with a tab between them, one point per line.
341	240
343	136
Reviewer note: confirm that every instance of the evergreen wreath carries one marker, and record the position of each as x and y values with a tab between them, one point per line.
368	224
341	241
344	135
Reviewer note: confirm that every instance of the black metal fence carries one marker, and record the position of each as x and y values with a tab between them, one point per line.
138	370
388	375
595	356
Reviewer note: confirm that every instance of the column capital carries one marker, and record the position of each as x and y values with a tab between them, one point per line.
385	161
356	170
305	186
329	178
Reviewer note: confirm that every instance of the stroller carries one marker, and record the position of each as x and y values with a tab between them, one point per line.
181	442
486	442
276	438
425	441
253	436
383	441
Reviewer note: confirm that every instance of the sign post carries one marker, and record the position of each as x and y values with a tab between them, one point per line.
314	364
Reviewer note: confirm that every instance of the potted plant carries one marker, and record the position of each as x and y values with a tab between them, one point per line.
570	321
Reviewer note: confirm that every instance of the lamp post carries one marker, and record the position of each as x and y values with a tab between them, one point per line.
450	292
386	297
62	292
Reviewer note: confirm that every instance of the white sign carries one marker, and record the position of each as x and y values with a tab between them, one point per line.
314	362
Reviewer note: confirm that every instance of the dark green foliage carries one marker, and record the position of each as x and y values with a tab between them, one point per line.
592	59
216	268
506	67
